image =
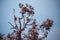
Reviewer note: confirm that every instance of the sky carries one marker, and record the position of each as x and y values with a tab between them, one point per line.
43	9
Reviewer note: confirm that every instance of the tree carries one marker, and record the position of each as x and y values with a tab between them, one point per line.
33	32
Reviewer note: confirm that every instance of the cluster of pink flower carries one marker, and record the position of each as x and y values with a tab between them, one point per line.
27	8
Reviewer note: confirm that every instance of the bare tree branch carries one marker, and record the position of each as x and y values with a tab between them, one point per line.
11	24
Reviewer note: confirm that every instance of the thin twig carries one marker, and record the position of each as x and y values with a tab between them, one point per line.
11	24
14	19
14	16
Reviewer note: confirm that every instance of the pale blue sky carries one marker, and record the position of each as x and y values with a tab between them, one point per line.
43	9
